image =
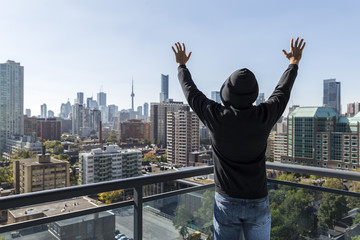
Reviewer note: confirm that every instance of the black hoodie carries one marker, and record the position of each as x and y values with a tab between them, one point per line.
239	130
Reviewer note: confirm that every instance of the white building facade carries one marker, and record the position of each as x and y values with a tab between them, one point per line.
108	164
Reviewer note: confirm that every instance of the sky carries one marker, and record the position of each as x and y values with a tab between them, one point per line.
83	46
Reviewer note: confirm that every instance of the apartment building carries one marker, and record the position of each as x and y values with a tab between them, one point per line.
109	163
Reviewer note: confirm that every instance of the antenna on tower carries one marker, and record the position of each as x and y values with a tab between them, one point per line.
132	94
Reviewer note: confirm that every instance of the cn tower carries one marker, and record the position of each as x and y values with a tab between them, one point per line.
132	96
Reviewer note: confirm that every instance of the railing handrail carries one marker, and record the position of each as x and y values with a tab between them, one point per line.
32	198
27	199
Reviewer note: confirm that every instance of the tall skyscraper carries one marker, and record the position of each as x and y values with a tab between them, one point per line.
352	109
164	94
65	110
92	104
146	110
28	112
11	101
215	96
113	109
158	118
80	98
77	118
183	136
51	114
139	110
101	99
43	111
332	94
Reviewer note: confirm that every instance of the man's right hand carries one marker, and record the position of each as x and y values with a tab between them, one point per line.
294	55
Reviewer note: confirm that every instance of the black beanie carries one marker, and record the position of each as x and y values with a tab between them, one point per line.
240	89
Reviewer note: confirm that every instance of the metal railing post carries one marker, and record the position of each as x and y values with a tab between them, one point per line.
138	213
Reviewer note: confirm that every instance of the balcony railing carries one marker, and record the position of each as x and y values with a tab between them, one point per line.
137	183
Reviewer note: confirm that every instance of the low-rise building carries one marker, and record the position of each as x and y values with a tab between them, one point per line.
40	173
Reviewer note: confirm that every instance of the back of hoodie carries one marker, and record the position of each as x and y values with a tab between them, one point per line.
239	135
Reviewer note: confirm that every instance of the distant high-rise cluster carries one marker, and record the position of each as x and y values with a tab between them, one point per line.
332	94
11	101
43	109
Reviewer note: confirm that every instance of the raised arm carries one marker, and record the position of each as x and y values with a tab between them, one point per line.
199	103
278	100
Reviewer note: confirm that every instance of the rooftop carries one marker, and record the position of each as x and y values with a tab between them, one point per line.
54	208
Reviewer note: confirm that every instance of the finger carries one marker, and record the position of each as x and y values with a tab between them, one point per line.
177	47
301	48
189	55
173	49
301	41
291	43
184	47
296	42
286	54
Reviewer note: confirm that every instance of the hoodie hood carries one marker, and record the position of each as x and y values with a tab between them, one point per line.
240	90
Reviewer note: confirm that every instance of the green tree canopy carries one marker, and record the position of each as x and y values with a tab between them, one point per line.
182	219
332	209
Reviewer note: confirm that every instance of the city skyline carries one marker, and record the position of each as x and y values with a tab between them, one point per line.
108	44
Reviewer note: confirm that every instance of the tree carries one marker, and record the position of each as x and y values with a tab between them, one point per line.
150	157
6	174
291	213
112	196
112	138
332	209
206	211
182	219
287	177
356	219
22	154
63	157
334	183
58	149
353	202
355	237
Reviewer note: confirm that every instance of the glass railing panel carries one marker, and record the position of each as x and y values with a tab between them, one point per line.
102	225
299	213
181	216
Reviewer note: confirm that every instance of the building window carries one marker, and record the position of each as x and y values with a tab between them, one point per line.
325	158
353	143
324	164
346	143
325	136
346	137
354	167
353	137
339	165
346	167
354	161
346	160
289	160
318	163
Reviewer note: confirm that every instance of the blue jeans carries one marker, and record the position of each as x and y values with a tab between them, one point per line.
235	218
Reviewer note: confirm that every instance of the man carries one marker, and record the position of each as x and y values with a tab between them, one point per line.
239	133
